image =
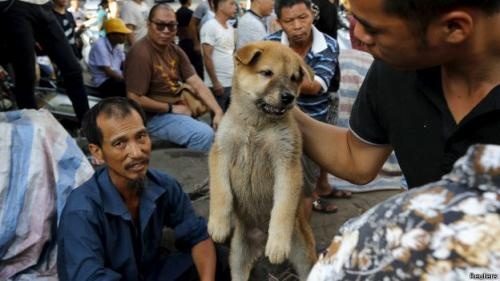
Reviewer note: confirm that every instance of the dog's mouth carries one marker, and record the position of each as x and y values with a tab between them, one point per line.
272	109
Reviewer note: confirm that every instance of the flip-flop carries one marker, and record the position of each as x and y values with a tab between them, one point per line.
324	206
337	193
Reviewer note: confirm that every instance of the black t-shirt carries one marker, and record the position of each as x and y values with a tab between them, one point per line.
183	15
408	111
328	21
68	24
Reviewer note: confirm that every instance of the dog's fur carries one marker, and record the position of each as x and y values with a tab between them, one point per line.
255	163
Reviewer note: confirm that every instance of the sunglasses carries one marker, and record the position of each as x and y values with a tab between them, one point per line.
160	26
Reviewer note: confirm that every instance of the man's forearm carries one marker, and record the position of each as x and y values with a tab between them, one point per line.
339	151
149	104
209	66
310	88
205	259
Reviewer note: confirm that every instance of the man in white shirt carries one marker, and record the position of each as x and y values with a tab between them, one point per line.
135	15
252	26
217	39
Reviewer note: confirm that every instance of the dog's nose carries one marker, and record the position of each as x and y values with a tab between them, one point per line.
287	98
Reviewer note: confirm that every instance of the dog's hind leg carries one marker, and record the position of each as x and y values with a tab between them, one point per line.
303	255
244	252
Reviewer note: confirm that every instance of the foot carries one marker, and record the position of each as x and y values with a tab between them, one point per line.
323	206
336	193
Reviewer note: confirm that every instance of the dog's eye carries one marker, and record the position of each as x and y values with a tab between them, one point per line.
266	73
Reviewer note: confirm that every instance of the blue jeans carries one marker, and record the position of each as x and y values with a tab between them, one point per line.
182	130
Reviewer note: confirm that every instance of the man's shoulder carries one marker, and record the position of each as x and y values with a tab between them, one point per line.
85	196
141	48
276	36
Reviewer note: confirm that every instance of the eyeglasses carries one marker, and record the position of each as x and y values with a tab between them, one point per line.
160	26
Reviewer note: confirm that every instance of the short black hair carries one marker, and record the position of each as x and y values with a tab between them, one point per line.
215	3
117	107
421	12
183	2
159	5
280	4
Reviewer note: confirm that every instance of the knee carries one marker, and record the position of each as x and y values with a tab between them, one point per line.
202	139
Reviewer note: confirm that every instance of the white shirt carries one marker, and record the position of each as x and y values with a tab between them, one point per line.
137	15
222	40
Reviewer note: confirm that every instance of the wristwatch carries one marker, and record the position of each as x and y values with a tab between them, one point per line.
169	110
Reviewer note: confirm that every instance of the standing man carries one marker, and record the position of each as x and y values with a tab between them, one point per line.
320	52
252	26
69	26
432	91
106	59
156	68
29	20
135	15
217	41
111	227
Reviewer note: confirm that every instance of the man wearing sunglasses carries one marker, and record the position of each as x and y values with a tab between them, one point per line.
155	68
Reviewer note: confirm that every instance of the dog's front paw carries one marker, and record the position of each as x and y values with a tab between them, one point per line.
277	250
218	229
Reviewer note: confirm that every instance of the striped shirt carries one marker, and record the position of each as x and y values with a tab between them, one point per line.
322	58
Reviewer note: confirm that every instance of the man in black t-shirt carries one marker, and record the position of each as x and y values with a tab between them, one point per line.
68	24
433	90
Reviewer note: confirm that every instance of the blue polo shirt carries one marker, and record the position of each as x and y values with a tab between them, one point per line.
322	58
98	240
101	54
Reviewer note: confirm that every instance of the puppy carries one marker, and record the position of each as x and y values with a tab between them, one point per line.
255	163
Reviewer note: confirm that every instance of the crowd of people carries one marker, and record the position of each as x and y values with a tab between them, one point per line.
431	93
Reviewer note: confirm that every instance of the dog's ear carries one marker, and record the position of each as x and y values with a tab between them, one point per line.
306	71
247	54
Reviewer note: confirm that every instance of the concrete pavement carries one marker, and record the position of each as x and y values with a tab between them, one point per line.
191	170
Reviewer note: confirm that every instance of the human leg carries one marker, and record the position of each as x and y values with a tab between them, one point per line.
224	99
53	40
20	39
182	130
112	88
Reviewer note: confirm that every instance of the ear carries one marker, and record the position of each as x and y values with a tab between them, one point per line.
96	152
456	26
247	54
307	71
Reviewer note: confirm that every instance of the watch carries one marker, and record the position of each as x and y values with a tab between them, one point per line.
169	107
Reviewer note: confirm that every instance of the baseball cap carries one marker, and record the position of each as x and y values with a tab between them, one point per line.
116	25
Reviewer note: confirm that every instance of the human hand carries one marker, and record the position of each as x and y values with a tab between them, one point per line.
181	109
216	120
218	89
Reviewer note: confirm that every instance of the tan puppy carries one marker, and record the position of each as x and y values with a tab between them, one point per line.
255	163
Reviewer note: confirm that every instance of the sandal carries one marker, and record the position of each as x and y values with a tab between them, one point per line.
337	193
323	206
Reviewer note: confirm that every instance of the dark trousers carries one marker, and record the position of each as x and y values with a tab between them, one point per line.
25	23
180	267
112	88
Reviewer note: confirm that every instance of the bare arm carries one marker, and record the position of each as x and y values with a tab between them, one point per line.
310	88
193	33
206	96
205	259
152	105
339	151
210	67
111	73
